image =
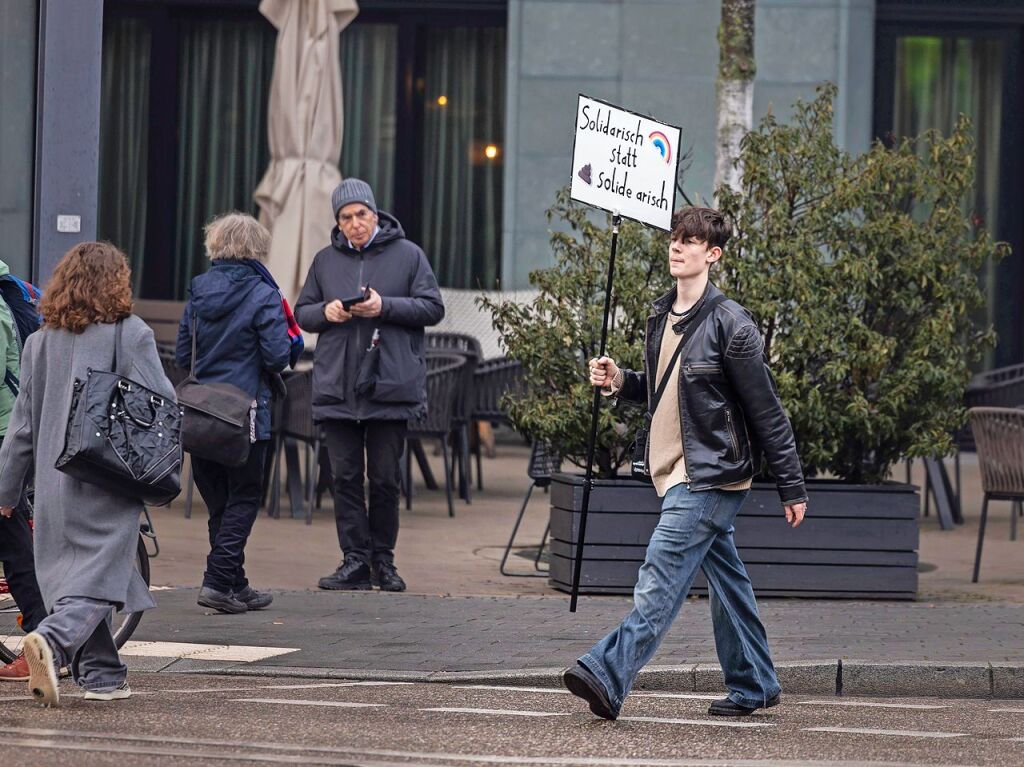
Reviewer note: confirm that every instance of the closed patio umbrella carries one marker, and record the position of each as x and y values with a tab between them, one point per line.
305	125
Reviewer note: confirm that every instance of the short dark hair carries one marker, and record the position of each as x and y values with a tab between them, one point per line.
701	224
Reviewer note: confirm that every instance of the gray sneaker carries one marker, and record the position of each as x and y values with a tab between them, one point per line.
253	599
221	601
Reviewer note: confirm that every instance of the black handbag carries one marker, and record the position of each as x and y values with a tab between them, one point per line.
638	450
123	436
217	424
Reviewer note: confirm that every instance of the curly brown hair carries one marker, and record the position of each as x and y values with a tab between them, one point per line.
91	284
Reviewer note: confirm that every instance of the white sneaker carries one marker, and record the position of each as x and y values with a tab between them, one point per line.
119	693
42	681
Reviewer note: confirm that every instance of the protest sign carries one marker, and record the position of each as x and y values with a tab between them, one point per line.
625	163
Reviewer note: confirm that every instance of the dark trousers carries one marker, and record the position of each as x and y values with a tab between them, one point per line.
374	449
232	495
20	567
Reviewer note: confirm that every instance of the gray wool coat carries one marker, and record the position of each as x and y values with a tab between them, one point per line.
85	537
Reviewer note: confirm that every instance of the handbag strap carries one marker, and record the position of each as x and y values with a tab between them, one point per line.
118	327
192	364
685	336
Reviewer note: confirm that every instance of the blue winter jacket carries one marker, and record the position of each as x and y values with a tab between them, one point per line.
242	333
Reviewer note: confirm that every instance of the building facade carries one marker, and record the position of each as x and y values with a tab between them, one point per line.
138	120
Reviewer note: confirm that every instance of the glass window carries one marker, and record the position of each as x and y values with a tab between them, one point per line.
225	67
369	61
937	79
124	139
18	34
462	153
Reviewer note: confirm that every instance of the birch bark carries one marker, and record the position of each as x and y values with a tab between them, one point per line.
735	88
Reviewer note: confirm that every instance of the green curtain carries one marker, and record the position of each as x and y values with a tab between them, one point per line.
224	76
461	190
124	139
937	79
369	60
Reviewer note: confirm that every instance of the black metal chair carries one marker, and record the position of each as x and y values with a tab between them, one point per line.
468	347
492	379
999	433
297	425
543	463
444	375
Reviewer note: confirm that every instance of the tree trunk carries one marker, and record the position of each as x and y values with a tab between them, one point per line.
736	71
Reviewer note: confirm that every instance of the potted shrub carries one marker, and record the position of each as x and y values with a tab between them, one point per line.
861	274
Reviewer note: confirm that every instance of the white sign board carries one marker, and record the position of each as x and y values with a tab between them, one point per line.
625	163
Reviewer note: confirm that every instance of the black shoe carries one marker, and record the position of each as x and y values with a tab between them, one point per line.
353	575
222	601
253	599
386	577
583	684
727	707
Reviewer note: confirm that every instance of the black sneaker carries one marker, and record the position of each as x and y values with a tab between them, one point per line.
386	577
221	601
582	683
353	575
253	599
727	707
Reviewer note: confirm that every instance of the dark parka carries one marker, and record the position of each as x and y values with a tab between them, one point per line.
242	334
399	271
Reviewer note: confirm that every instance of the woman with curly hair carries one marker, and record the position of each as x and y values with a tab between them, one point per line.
85	537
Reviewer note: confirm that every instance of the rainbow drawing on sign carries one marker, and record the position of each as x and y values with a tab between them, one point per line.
660	141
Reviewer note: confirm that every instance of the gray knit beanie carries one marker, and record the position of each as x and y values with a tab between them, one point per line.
352	190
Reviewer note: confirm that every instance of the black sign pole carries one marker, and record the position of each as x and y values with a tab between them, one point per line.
594	413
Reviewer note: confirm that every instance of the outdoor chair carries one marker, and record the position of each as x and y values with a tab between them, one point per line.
492	379
543	463
999	435
1002	387
297	425
468	347
444	376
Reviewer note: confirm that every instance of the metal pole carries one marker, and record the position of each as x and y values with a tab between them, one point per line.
594	413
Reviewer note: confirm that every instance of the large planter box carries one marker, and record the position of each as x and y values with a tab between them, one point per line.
858	541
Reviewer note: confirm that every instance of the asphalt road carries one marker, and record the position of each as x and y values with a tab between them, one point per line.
207	719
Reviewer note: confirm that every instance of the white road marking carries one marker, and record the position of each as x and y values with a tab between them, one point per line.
859	704
223	652
686	695
64	739
493	712
1006	710
699	722
510	688
332	684
896	733
328	703
162	588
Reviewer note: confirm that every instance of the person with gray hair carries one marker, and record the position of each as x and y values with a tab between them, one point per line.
369	294
241	338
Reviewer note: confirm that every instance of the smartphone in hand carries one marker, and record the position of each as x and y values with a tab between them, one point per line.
348	303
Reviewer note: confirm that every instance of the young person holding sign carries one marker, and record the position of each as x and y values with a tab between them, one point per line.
712	409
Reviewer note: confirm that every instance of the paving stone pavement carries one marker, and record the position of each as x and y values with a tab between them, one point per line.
400	632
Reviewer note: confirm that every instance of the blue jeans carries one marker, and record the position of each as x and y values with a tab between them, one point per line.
695	530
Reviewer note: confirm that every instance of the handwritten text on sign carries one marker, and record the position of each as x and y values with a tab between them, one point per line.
624	162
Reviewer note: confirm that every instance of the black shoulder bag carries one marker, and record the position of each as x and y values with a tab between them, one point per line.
123	436
638	452
217	421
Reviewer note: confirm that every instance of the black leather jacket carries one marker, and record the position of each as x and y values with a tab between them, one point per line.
729	408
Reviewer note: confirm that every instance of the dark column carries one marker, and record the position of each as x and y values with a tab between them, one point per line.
67	128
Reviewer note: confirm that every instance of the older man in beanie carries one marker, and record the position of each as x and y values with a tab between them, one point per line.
369	373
